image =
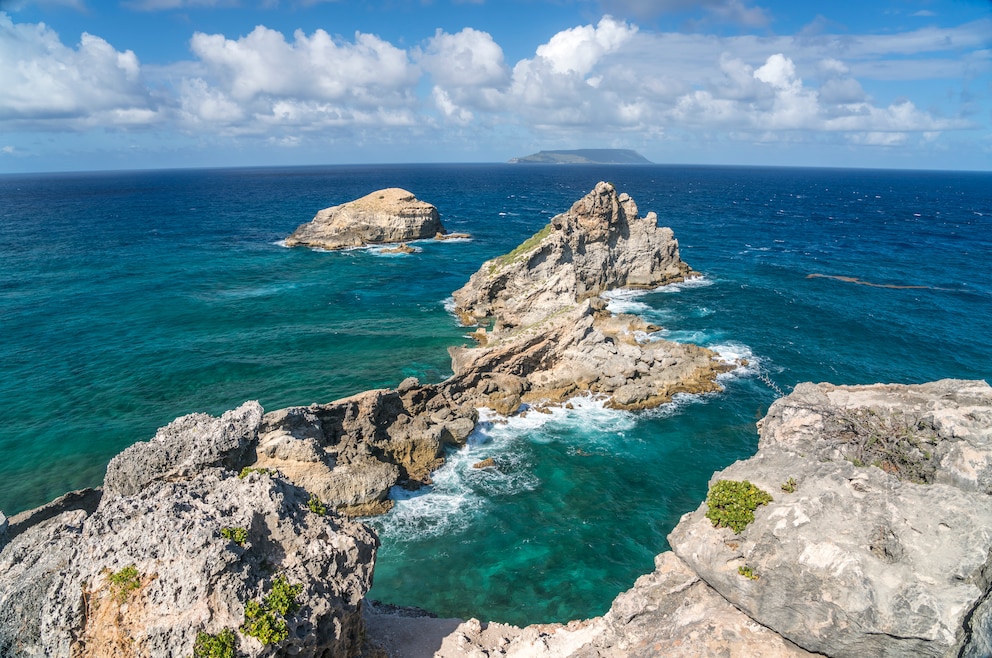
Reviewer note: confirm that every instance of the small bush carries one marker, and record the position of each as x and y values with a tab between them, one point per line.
316	506
236	534
221	645
747	572
264	624
125	581
732	503
248	469
267	620
790	485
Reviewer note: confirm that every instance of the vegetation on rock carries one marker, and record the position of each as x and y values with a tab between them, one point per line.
221	645
125	581
790	485
316	506
236	534
247	470
896	443
732	503
520	249
266	620
747	572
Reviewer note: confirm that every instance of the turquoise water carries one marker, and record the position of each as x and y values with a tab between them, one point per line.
127	299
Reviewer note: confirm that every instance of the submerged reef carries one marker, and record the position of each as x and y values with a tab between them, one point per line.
862	526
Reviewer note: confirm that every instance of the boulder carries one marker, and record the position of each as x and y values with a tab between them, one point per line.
879	538
386	216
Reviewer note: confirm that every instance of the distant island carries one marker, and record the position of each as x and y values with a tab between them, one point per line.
584	156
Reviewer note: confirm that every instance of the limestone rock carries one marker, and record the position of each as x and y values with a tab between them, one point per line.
884	548
600	244
3	529
200	542
385	216
185	446
351	452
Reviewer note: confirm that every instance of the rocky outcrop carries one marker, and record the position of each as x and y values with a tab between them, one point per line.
385	216
600	244
884	548
187	552
351	452
877	542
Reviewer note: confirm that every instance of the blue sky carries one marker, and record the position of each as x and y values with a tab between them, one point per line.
87	84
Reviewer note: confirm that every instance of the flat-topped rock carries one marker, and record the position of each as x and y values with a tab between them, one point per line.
392	215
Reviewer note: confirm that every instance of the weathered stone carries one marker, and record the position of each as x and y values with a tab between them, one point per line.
184	447
385	216
859	560
189	578
599	244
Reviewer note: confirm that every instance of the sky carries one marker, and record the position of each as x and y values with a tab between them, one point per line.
148	84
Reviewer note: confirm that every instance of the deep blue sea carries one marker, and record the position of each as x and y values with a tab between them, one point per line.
130	298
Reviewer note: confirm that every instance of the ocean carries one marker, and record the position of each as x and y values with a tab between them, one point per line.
130	298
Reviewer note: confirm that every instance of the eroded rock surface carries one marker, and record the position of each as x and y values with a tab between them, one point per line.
884	548
386	216
601	243
182	549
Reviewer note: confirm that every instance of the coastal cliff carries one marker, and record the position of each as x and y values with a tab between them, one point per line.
860	527
392	215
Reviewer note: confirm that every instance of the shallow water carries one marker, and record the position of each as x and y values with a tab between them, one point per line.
127	299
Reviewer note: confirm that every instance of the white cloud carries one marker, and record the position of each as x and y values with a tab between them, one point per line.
469	58
580	48
46	81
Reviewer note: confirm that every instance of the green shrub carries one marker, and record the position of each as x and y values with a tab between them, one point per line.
221	645
790	485
264	624
125	581
732	503
236	534
316	506
248	469
747	572
267	620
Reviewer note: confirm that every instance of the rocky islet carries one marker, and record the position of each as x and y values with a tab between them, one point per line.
205	520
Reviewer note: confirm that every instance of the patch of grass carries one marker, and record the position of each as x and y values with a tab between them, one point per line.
790	485
124	582
316	506
732	503
266	620
747	572
249	469
236	534
221	645
506	259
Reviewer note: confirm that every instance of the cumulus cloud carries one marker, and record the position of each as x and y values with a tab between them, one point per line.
46	81
577	50
261	81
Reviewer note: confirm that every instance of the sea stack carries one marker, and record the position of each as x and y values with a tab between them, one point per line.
600	244
392	215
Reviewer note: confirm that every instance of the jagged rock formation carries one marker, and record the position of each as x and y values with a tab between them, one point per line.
878	542
352	451
182	546
600	244
385	216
